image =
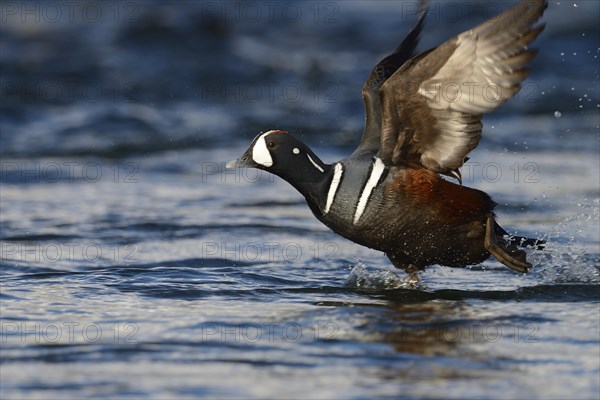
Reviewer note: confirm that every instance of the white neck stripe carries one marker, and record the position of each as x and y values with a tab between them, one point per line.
376	172
317	166
333	187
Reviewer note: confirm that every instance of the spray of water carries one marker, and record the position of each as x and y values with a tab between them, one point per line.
572	253
366	277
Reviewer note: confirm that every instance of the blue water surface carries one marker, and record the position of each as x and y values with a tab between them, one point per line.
134	265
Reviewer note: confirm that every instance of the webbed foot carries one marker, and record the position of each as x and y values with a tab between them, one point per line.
510	255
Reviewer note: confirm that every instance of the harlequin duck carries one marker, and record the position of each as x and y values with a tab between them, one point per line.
423	116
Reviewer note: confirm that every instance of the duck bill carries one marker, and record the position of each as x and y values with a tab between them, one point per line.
232	164
245	161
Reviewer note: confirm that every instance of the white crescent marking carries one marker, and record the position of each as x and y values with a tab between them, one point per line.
333	187
317	166
376	172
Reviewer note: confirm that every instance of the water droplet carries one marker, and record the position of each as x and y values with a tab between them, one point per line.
557	114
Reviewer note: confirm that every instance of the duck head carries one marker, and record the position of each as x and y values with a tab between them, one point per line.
282	154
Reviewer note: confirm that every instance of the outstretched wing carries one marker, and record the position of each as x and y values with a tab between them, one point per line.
383	70
432	106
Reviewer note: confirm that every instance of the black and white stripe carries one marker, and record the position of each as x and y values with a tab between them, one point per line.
338	171
376	173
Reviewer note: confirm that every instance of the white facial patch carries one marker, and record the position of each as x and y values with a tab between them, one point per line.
296	150
260	152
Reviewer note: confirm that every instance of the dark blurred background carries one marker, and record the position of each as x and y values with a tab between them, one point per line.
115	78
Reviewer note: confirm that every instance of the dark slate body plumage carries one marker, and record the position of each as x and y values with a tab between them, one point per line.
389	195
414	216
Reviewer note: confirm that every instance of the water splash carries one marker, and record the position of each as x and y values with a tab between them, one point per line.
572	253
366	277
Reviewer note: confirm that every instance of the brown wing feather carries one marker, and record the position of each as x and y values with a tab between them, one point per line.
432	106
380	73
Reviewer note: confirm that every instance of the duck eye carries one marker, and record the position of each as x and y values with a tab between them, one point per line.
271	145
